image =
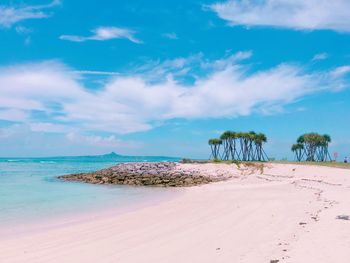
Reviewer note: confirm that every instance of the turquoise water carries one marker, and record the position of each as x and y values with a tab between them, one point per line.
29	188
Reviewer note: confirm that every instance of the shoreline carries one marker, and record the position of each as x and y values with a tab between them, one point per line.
288	213
70	218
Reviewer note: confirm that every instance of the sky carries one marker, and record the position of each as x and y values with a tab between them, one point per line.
162	77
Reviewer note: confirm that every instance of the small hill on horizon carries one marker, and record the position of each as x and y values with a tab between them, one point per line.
111	154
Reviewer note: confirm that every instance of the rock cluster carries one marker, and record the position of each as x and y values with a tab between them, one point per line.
166	174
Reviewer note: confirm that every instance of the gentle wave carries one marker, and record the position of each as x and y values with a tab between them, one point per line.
30	189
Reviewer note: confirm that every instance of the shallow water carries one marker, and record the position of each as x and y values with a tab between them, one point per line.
29	189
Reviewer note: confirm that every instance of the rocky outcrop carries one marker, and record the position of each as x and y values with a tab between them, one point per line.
166	174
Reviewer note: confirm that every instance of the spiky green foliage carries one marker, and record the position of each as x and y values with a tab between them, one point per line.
215	141
215	147
298	151
297	146
312	147
242	146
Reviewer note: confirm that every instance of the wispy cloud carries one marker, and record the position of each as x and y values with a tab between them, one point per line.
10	15
103	34
23	30
225	88
100	141
320	56
47	127
294	14
171	35
54	140
341	71
93	72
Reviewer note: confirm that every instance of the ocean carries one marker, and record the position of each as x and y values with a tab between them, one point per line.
30	190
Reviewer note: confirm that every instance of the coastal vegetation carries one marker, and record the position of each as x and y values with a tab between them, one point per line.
331	164
312	147
238	146
215	148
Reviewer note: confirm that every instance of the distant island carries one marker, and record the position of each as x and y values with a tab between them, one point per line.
108	155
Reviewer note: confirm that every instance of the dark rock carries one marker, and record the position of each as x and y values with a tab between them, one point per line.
166	174
343	217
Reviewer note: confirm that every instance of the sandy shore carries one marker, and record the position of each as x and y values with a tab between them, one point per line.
286	213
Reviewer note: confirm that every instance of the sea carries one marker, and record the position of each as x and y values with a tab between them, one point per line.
30	190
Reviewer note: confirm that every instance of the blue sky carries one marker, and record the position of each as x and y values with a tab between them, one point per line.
161	77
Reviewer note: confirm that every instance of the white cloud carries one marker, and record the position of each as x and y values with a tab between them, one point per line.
194	67
94	72
13	115
103	34
223	63
23	30
341	71
47	127
171	35
7	132
10	15
50	98
320	56
23	140
100	141
294	14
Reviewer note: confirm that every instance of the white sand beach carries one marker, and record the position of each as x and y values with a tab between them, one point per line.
288	213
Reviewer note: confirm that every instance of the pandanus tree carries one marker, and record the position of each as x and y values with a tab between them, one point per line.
312	147
311	142
243	146
323	149
226	141
298	150
215	147
260	139
247	143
